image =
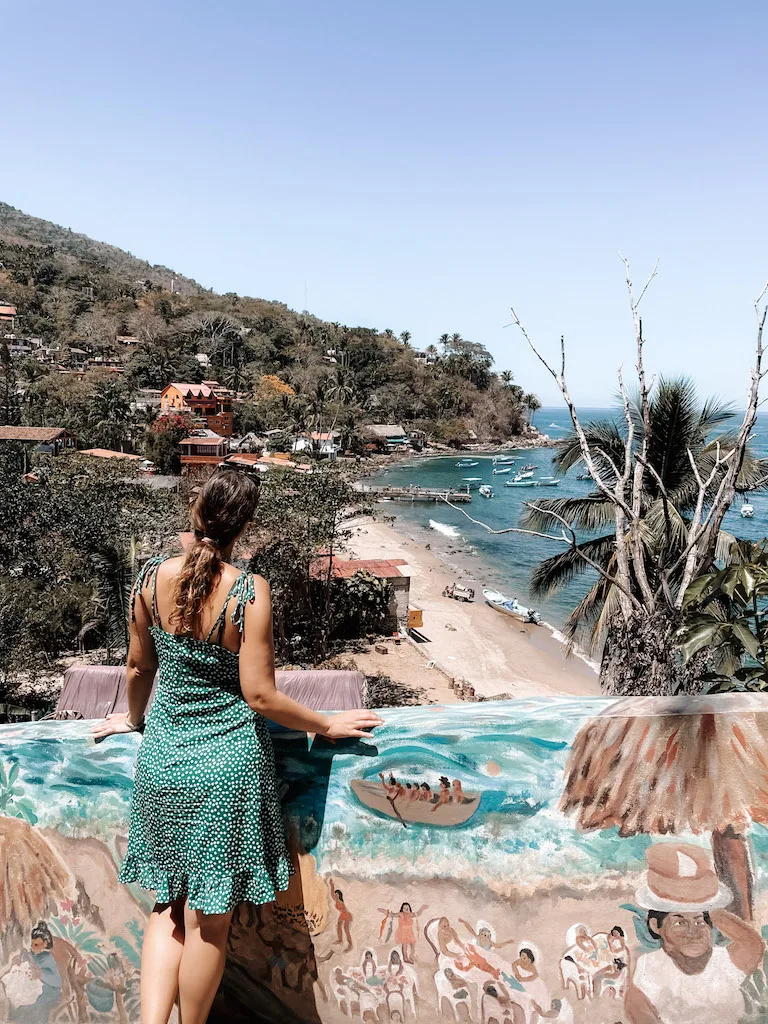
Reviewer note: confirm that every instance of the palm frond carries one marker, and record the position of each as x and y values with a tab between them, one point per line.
560	569
602	435
590	512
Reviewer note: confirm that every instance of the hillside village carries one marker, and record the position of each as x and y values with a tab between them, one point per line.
129	358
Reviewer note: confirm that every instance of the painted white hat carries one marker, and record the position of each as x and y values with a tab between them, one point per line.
681	879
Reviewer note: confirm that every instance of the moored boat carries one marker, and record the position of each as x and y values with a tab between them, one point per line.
517	482
486	490
504	460
466	463
471	483
511	606
501	472
530	466
374	796
747	510
548	481
524	474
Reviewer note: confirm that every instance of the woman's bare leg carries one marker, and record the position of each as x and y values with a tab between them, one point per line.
160	959
202	965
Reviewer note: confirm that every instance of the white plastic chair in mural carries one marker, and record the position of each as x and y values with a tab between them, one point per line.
572	974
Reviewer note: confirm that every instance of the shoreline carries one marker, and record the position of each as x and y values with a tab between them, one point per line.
494	653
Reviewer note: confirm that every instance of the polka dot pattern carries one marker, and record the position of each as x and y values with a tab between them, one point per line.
205	817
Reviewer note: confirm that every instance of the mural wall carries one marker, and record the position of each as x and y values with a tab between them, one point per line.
497	863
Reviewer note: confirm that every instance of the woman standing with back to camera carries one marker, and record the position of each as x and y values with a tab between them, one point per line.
206	831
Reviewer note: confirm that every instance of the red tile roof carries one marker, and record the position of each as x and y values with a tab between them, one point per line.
106	453
196	390
39	434
384	568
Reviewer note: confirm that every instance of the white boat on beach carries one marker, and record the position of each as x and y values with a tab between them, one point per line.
501	472
511	606
486	490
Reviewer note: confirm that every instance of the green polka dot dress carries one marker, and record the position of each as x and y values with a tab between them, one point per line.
205	817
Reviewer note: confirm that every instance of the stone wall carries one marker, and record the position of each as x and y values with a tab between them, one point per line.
581	844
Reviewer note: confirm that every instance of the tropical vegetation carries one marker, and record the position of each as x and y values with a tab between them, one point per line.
679	424
293	371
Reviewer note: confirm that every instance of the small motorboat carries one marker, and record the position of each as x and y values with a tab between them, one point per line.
504	460
511	606
471	483
548	481
375	797
524	474
517	482
501	472
486	490
459	592
530	466
747	510
582	476
466	463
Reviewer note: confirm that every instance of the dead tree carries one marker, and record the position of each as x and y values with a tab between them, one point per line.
640	655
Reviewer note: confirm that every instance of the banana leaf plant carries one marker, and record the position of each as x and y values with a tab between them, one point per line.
726	614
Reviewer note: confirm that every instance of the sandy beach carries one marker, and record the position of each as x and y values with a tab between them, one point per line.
494	653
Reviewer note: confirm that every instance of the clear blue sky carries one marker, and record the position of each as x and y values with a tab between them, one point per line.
417	165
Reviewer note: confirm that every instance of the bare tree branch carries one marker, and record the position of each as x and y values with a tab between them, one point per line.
566	537
638	481
700	547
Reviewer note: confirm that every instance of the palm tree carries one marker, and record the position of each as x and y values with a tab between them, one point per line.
405	337
532	404
444	339
679	425
109	412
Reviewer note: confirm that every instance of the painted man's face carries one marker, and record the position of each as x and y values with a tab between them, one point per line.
686	935
37	945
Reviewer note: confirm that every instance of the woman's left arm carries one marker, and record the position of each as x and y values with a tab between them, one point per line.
141	666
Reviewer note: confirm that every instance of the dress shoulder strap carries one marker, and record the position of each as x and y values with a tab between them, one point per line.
147	574
242	591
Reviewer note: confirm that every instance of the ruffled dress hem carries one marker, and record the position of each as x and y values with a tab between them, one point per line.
211	893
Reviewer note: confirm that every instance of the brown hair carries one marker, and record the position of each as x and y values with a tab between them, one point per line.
223	508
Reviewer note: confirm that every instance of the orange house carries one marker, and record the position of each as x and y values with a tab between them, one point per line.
209	402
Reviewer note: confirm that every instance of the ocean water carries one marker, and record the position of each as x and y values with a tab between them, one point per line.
512	754
506	562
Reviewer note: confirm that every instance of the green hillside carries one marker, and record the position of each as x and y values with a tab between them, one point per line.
292	370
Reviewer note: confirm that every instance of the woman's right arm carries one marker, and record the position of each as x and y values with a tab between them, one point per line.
141	666
257	680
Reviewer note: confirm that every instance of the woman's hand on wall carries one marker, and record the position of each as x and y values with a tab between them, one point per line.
115	723
352	725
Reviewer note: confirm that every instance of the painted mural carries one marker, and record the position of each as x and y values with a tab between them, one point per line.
498	863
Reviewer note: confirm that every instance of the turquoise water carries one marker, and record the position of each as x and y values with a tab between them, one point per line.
506	562
511	753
